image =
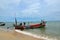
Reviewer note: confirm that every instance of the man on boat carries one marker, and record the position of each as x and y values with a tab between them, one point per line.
24	23
22	27
42	23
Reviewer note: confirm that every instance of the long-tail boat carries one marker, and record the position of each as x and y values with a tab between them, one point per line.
31	26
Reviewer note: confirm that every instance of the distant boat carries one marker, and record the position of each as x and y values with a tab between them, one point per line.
2	24
31	26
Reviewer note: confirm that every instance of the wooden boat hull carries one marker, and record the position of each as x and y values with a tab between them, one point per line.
29	26
37	26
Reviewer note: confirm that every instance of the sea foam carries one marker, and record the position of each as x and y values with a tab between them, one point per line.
33	35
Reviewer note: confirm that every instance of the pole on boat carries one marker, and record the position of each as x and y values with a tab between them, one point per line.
15	21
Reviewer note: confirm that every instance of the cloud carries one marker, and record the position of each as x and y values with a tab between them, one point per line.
6	3
30	9
8	7
33	7
21	7
51	2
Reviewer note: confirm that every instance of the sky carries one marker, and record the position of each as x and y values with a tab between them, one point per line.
30	10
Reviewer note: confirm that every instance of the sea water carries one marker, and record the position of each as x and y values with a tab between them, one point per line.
51	30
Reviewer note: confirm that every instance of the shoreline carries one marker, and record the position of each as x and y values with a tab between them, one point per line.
17	34
32	35
28	34
9	35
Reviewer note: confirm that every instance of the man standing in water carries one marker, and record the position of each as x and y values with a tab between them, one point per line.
8	29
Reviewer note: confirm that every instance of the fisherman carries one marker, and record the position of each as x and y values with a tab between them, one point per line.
41	22
7	27
20	24
24	23
21	27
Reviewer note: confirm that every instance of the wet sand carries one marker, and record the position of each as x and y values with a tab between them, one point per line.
7	35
